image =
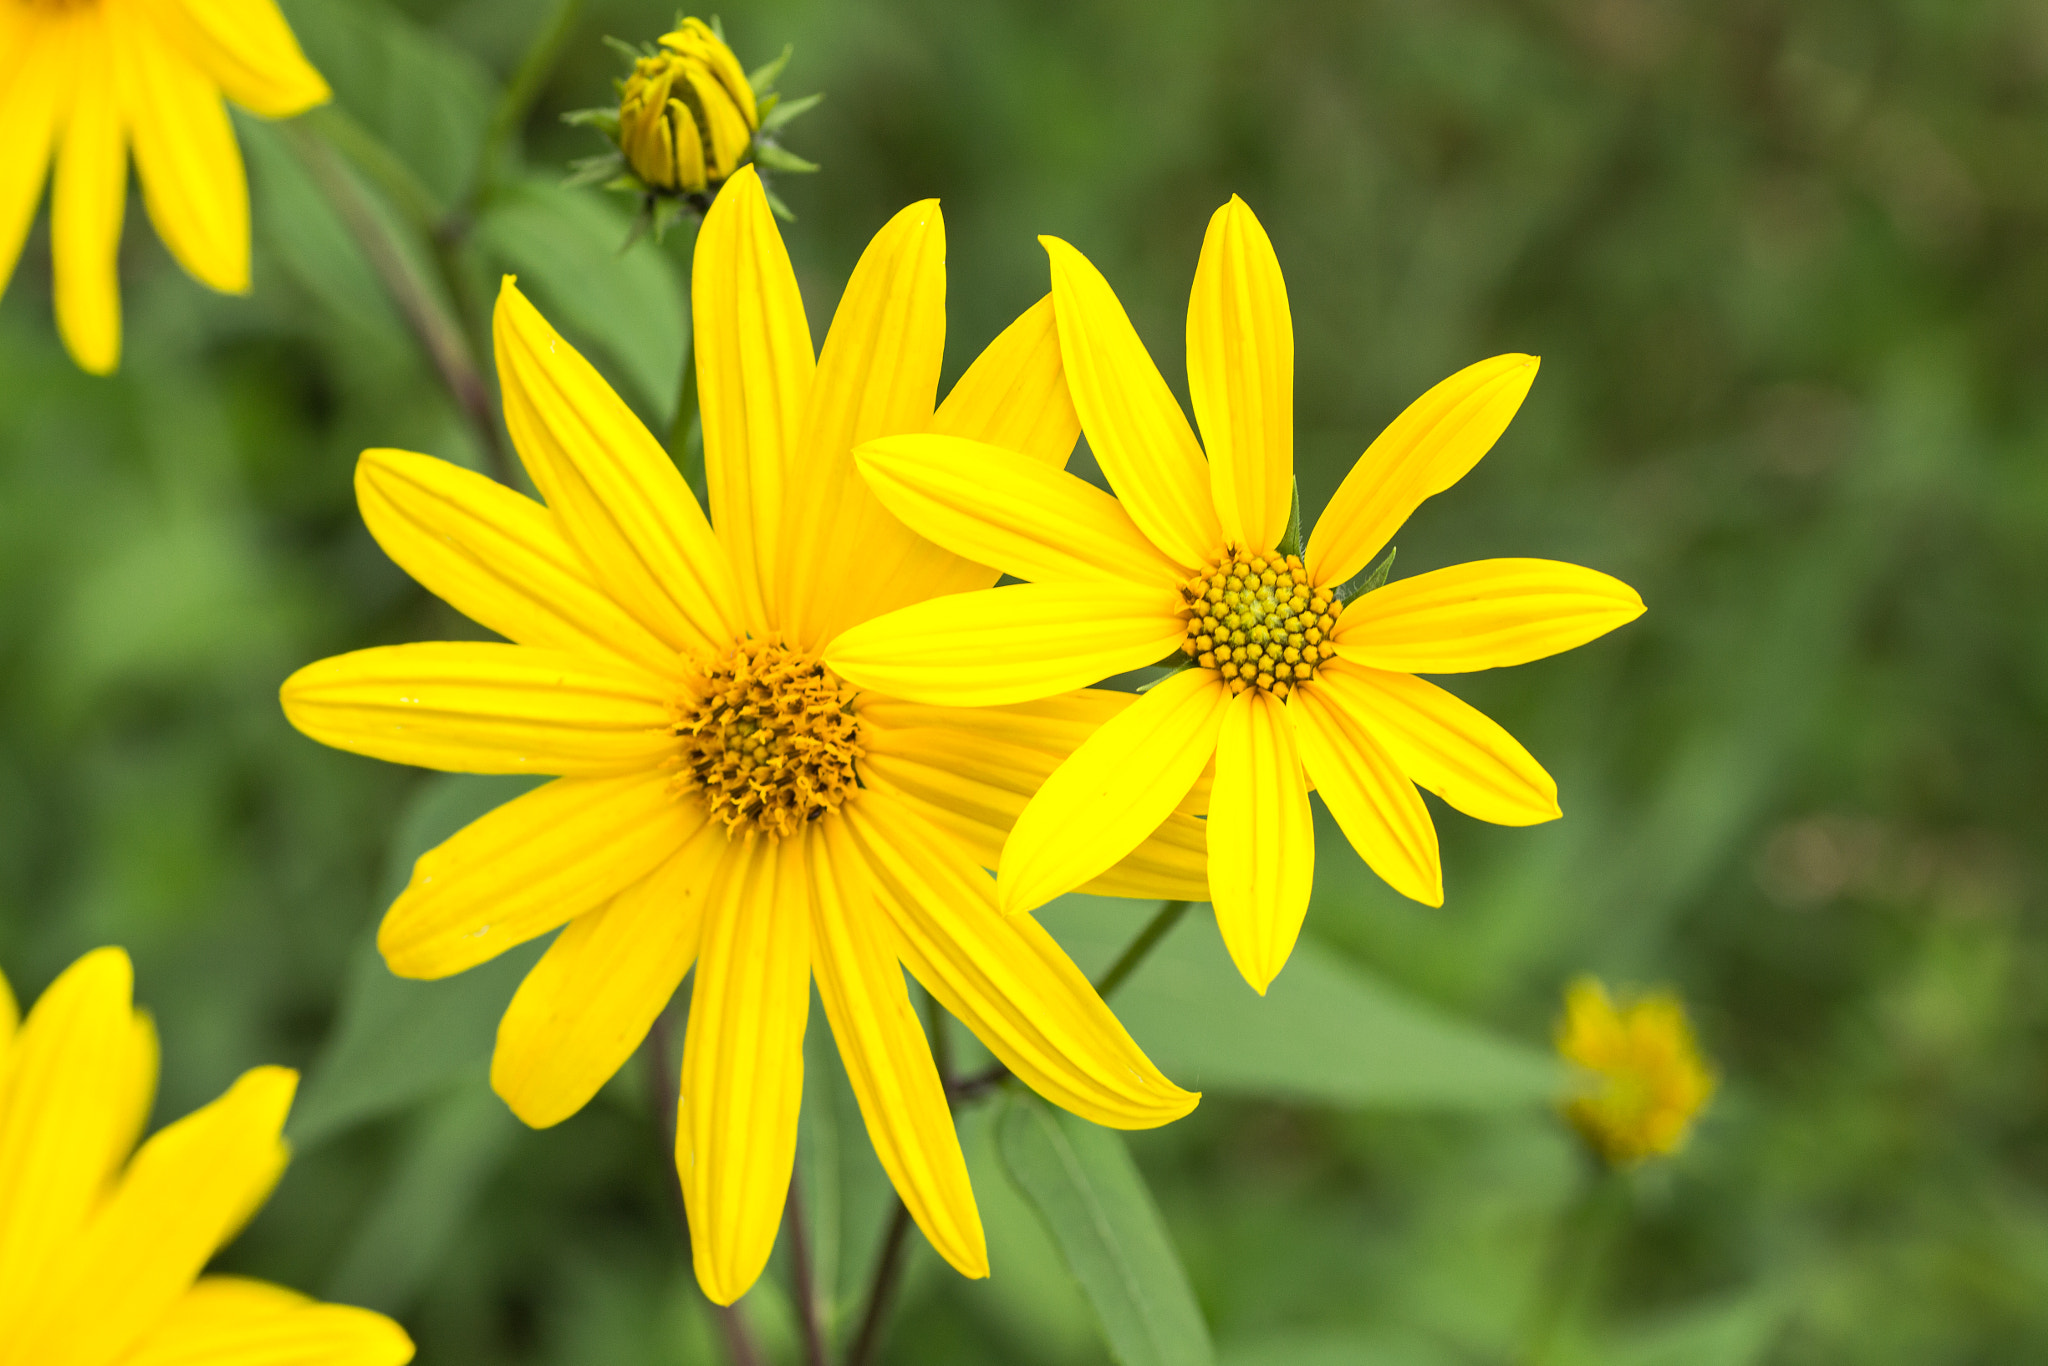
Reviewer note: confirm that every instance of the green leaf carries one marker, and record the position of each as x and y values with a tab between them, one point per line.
1081	1180
398	1041
1737	1331
786	110
763	77
1358	585
452	1151
1325	1031
629	306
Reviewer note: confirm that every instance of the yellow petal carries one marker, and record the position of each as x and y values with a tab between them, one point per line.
1425	450
1015	394
1241	377
1483	615
1115	790
86	202
743	1063
188	1190
971	770
1010	644
35	69
67	1118
1378	809
246	48
1262	844
616	495
845	558
754	368
1135	428
497	557
730	132
475	707
590	1000
228	1321
1006	979
533	864
193	183
887	1057
1443	744
1013	511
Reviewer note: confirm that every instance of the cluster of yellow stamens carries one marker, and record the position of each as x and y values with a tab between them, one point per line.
769	737
687	115
1255	620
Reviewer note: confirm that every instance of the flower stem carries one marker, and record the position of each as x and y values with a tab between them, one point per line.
520	93
1585	1231
662	1086
1148	938
882	1289
809	1314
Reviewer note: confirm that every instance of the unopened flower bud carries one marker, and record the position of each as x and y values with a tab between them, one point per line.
687	114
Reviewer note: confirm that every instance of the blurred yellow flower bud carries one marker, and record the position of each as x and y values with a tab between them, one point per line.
1648	1081
687	114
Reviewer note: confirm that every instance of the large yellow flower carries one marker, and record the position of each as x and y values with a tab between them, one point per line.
101	1250
726	799
1287	684
82	81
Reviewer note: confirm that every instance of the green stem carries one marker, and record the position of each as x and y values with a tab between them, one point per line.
1148	938
520	93
685	438
1585	1232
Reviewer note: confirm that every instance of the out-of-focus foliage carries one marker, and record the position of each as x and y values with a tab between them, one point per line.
1787	267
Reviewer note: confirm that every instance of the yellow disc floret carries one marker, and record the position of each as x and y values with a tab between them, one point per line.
769	737
1256	621
687	114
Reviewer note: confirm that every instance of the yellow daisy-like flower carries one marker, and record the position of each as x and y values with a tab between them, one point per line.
102	1242
82	82
687	115
1649	1082
1287	685
726	799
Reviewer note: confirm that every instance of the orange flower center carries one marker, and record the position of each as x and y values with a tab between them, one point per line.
1256	621
769	737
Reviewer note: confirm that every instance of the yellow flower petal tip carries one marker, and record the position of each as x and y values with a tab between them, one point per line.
102	1241
1646	1081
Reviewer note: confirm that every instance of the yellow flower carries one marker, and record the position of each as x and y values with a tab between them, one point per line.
687	115
102	1242
1650	1082
724	798
82	81
1287	687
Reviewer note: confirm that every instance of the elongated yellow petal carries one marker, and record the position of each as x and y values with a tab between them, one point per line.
1116	789
887	1056
533	864
966	778
1015	394
1379	810
474	707
1262	844
193	184
188	1190
35	88
844	557
497	557
1486	614
1425	450
590	1000
1013	511
87	199
67	1117
228	1321
244	47
1006	979
615	493
1444	744
1241	377
1137	431
754	369
1009	644
743	1063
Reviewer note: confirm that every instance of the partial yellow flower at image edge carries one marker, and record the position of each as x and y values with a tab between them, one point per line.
84	82
1646	1082
102	1242
722	802
1284	686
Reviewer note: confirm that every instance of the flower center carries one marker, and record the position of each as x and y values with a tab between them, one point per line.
769	737
1255	620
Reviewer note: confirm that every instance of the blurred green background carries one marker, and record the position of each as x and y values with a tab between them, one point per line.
1787	267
